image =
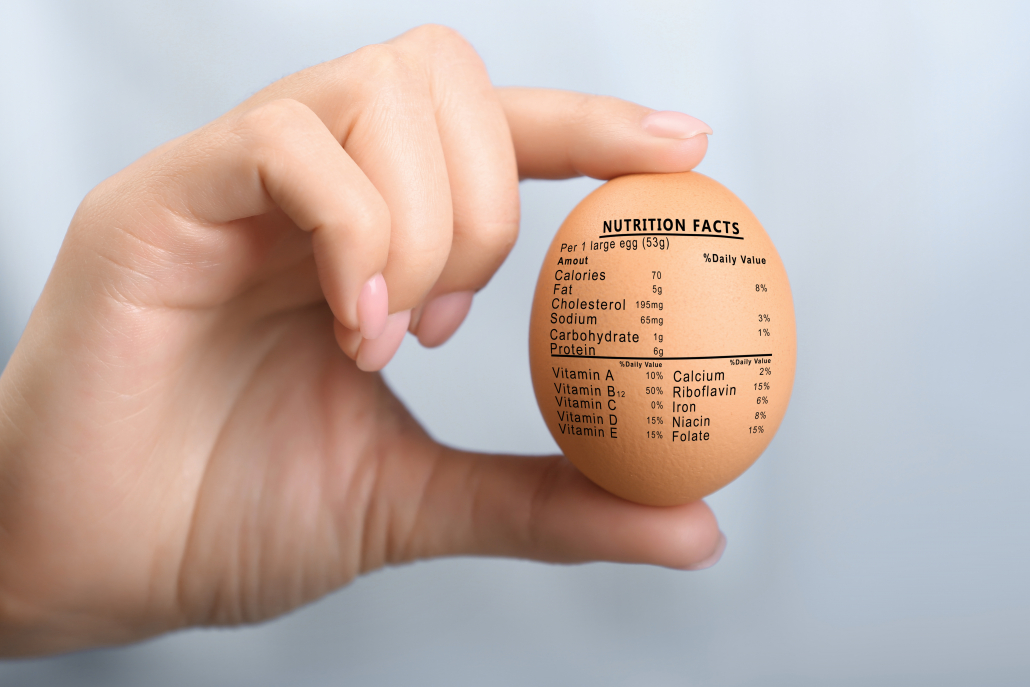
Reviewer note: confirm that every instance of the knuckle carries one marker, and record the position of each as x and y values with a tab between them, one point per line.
583	109
494	238
489	222
441	36
419	265
446	47
276	120
370	217
598	112
593	118
535	534
429	248
504	237
383	63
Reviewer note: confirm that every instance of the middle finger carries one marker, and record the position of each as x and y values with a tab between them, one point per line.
482	171
378	104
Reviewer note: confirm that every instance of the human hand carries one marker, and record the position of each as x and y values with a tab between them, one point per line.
182	441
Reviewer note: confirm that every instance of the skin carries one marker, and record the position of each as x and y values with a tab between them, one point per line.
184	436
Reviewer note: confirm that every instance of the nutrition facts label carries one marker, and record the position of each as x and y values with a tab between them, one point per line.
663	332
602	339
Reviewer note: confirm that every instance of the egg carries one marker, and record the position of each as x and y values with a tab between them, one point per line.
662	340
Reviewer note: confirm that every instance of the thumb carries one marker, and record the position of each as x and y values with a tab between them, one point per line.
545	509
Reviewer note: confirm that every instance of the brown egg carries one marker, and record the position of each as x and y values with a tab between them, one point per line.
662	342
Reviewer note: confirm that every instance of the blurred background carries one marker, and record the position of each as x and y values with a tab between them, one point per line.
883	538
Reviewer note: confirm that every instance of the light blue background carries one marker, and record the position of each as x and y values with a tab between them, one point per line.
883	537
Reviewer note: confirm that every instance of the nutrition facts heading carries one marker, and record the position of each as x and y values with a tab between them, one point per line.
720	228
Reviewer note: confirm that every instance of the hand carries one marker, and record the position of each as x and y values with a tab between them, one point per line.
181	439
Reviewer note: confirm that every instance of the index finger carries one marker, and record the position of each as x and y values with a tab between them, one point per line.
561	134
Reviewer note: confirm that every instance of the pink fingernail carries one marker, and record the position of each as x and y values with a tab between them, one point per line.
668	124
373	307
442	316
373	354
714	558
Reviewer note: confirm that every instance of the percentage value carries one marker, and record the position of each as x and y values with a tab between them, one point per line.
653	390
764	332
760	288
756	429
654	375
760	415
655	420
656	404
762	317
767	371
761	385
654	434
763	400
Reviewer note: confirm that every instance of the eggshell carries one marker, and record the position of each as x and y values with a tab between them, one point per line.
662	338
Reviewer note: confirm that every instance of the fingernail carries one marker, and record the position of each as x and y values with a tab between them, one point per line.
373	354
667	124
373	307
714	558
442	316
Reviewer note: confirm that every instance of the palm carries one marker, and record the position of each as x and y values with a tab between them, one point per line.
282	511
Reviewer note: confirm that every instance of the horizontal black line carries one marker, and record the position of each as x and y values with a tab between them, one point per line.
685	357
654	233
